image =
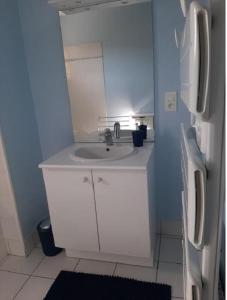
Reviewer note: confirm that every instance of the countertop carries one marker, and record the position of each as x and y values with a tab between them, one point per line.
137	160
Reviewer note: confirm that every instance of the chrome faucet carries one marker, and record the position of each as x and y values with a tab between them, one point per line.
117	130
108	137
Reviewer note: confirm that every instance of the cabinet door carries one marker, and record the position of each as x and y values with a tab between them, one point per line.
122	212
72	208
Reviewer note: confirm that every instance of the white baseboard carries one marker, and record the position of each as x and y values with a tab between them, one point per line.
138	261
164	227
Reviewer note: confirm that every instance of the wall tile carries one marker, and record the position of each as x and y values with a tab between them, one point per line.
4	185
10	228
7	208
3	248
3	167
15	247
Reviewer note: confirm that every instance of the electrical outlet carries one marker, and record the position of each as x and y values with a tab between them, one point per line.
170	101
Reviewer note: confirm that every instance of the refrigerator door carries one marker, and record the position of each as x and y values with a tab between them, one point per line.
184	6
194	174
195	61
192	264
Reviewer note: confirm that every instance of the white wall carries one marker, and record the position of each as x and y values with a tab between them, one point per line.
10	228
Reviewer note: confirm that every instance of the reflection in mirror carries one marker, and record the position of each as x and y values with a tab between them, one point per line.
84	69
109	67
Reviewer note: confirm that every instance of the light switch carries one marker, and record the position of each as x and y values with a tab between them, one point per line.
170	101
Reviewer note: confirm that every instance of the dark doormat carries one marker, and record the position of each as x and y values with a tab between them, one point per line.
81	286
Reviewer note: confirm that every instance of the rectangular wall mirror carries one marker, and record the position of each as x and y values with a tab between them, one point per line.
109	67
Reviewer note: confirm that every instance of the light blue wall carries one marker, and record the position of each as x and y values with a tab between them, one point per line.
126	36
43	47
18	122
44	55
167	16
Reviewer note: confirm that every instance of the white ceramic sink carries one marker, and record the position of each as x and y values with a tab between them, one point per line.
101	152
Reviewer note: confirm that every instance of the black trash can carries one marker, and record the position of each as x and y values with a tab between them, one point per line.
47	239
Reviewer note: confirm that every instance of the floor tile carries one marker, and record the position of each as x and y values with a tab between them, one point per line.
171	274
35	289
171	250
51	266
136	272
95	267
24	265
10	284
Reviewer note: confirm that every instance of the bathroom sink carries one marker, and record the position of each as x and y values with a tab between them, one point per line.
101	152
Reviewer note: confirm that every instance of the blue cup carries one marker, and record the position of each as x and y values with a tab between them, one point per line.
143	128
137	137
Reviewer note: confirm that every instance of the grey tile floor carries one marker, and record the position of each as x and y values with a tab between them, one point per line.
30	278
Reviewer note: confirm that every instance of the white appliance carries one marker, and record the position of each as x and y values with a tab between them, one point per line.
76	6
193	285
195	61
201	157
195	175
194	209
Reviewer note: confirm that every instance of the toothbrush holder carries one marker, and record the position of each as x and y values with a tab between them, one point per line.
143	128
137	137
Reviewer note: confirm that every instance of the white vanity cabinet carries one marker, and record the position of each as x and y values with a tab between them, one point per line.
72	208
122	212
103	213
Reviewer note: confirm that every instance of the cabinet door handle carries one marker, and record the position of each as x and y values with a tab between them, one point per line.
100	179
85	179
